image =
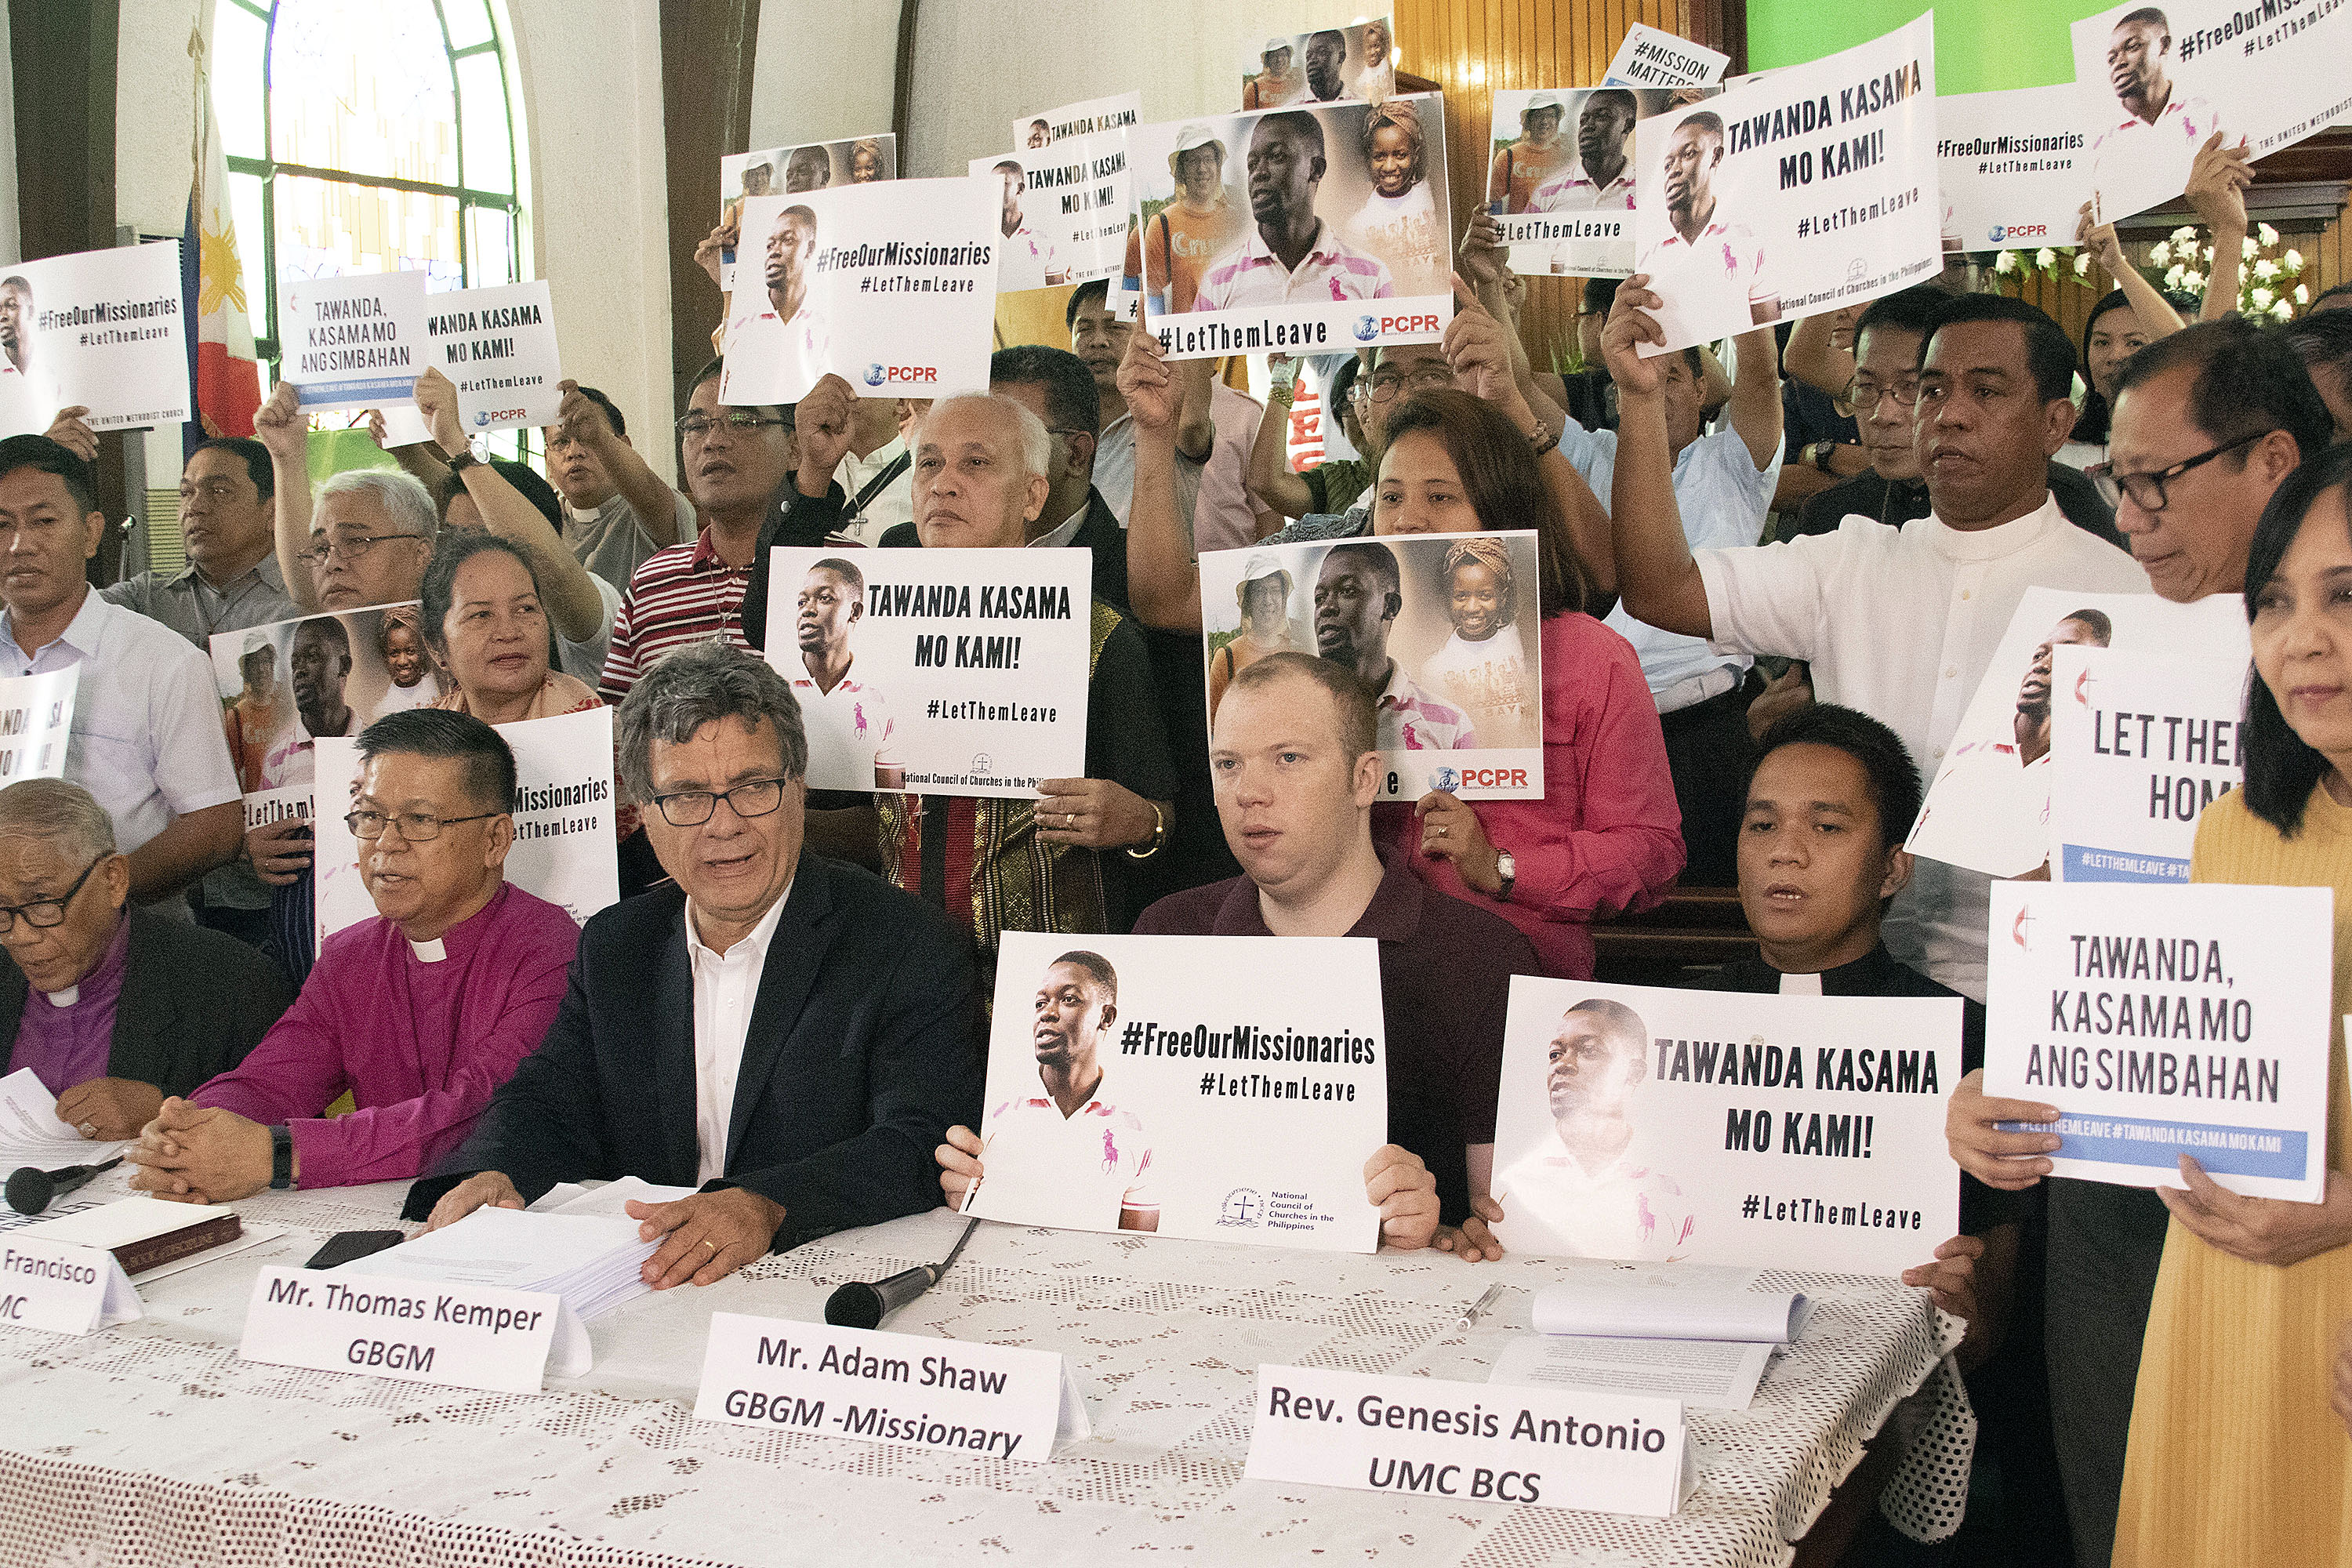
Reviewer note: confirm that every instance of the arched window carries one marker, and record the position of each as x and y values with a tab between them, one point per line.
368	136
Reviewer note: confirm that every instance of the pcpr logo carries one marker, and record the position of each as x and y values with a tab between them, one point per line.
1405	324
874	374
1494	778
1367	329
1445	779
1996	234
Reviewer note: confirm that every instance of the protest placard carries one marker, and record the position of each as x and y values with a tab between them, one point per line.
1724	1127
1441	627
1030	133
2013	167
288	683
1810	190
101	329
36	723
2140	745
1652	56
1065	211
355	343
1342	242
564	845
1560	177
1989	806
795	171
498	346
1331	65
2192	1020
890	286
1219	1087
936	671
2155	83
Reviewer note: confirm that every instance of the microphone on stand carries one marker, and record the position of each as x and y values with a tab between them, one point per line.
862	1304
30	1189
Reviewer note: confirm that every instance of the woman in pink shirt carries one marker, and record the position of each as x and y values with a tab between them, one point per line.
1606	836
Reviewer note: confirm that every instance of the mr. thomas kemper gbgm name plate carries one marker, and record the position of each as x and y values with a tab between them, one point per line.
468	1336
1470	1442
1001	1401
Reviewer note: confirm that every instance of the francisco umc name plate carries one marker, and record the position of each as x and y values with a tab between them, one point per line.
882	1387
1469	1442
467	1336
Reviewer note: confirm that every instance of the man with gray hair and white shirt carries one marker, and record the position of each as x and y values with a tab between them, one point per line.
782	1032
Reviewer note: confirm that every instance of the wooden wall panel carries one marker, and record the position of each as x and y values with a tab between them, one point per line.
1473	47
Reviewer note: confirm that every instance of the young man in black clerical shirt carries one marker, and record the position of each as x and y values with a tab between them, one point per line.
1830	801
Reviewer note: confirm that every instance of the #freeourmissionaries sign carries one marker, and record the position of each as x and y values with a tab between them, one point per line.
2190	1021
890	286
1443	626
1724	1127
564	843
1224	1089
1809	190
936	671
2141	746
2012	166
2154	82
101	329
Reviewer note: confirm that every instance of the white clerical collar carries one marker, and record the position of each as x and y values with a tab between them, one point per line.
1056	537
429	952
64	998
1800	984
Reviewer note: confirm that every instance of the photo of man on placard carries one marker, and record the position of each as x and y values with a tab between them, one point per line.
1068	1156
1028	260
1711	266
844	717
17	324
808	169
790	329
1358	592
2149	149
1585	1191
1601	176
1290	253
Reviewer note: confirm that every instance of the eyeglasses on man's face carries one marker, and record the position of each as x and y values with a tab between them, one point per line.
45	913
693	807
415	826
698	427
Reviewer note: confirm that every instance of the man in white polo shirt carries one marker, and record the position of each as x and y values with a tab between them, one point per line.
1069	1156
147	740
1291	256
2148	149
1709	264
782	329
1900	623
1029	259
844	715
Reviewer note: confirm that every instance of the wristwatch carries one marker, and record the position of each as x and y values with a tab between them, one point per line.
1820	453
281	1157
474	454
1508	870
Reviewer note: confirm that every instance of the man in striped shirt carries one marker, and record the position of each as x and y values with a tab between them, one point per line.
735	460
1292	255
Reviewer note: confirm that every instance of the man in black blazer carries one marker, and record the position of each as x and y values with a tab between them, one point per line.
132	1007
788	1033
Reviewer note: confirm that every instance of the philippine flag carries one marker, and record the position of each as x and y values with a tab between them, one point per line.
222	364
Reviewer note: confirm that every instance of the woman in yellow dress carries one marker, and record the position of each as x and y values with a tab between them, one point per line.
2235	1458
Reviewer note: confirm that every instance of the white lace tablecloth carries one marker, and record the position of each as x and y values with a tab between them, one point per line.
154	1444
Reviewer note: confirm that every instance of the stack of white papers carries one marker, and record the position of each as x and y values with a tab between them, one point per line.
1704	1342
31	1134
588	1253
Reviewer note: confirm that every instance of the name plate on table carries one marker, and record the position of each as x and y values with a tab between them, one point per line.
888	1388
1469	1442
467	1336
64	1289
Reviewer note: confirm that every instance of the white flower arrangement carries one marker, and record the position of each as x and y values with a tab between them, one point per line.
2265	270
2160	253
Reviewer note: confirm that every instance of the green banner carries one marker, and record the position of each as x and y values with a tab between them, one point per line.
1981	46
